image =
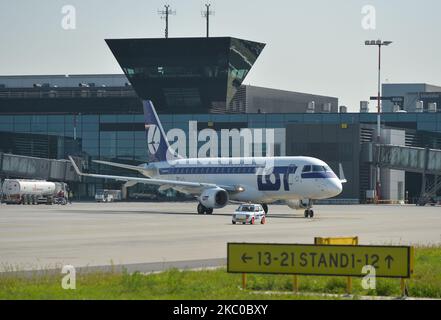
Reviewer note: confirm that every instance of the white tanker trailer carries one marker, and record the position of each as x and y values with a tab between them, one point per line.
30	191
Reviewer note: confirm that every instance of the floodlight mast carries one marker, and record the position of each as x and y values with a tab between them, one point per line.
380	44
164	15
206	14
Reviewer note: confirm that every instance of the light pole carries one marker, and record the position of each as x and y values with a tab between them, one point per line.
164	15
206	14
378	43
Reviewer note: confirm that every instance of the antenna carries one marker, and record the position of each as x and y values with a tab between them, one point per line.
164	15
206	14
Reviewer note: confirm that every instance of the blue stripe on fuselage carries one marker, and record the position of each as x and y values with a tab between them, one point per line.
221	170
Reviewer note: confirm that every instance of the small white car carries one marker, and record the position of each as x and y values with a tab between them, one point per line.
249	214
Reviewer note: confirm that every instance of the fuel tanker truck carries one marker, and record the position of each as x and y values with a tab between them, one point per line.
15	191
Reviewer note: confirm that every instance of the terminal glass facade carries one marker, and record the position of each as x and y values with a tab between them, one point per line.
121	138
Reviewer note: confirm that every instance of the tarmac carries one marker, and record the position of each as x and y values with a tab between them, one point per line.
154	236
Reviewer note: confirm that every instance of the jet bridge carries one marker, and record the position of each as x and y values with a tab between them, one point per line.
411	159
16	166
418	160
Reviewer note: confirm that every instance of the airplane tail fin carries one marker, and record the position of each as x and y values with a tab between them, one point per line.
157	143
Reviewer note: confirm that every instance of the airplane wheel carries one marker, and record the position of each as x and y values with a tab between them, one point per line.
209	211
306	214
311	214
263	221
201	209
252	220
233	222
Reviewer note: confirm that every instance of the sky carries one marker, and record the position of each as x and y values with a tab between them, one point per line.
313	46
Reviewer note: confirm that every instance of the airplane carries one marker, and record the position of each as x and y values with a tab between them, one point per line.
297	181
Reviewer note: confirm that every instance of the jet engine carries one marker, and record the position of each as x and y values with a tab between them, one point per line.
299	204
214	198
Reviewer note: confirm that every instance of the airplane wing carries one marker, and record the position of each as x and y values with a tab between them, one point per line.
124	166
183	186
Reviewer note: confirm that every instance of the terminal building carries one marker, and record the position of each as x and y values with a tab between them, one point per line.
197	79
416	97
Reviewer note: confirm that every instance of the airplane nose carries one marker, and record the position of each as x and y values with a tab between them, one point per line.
335	187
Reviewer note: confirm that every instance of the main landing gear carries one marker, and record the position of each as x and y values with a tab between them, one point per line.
309	213
204	210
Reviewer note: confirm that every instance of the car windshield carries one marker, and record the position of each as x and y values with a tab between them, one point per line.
246	208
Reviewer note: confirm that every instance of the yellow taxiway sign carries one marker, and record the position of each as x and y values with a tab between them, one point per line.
330	260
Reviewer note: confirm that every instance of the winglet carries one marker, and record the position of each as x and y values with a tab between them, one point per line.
77	170
341	174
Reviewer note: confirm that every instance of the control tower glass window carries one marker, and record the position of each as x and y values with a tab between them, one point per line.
182	75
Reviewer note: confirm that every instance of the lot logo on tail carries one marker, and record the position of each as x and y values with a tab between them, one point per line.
153	138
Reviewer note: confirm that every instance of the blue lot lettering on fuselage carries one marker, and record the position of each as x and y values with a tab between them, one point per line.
268	185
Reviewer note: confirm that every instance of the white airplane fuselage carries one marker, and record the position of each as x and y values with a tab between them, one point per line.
288	180
215	181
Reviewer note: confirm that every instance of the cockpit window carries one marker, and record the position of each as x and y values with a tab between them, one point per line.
306	169
318	168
